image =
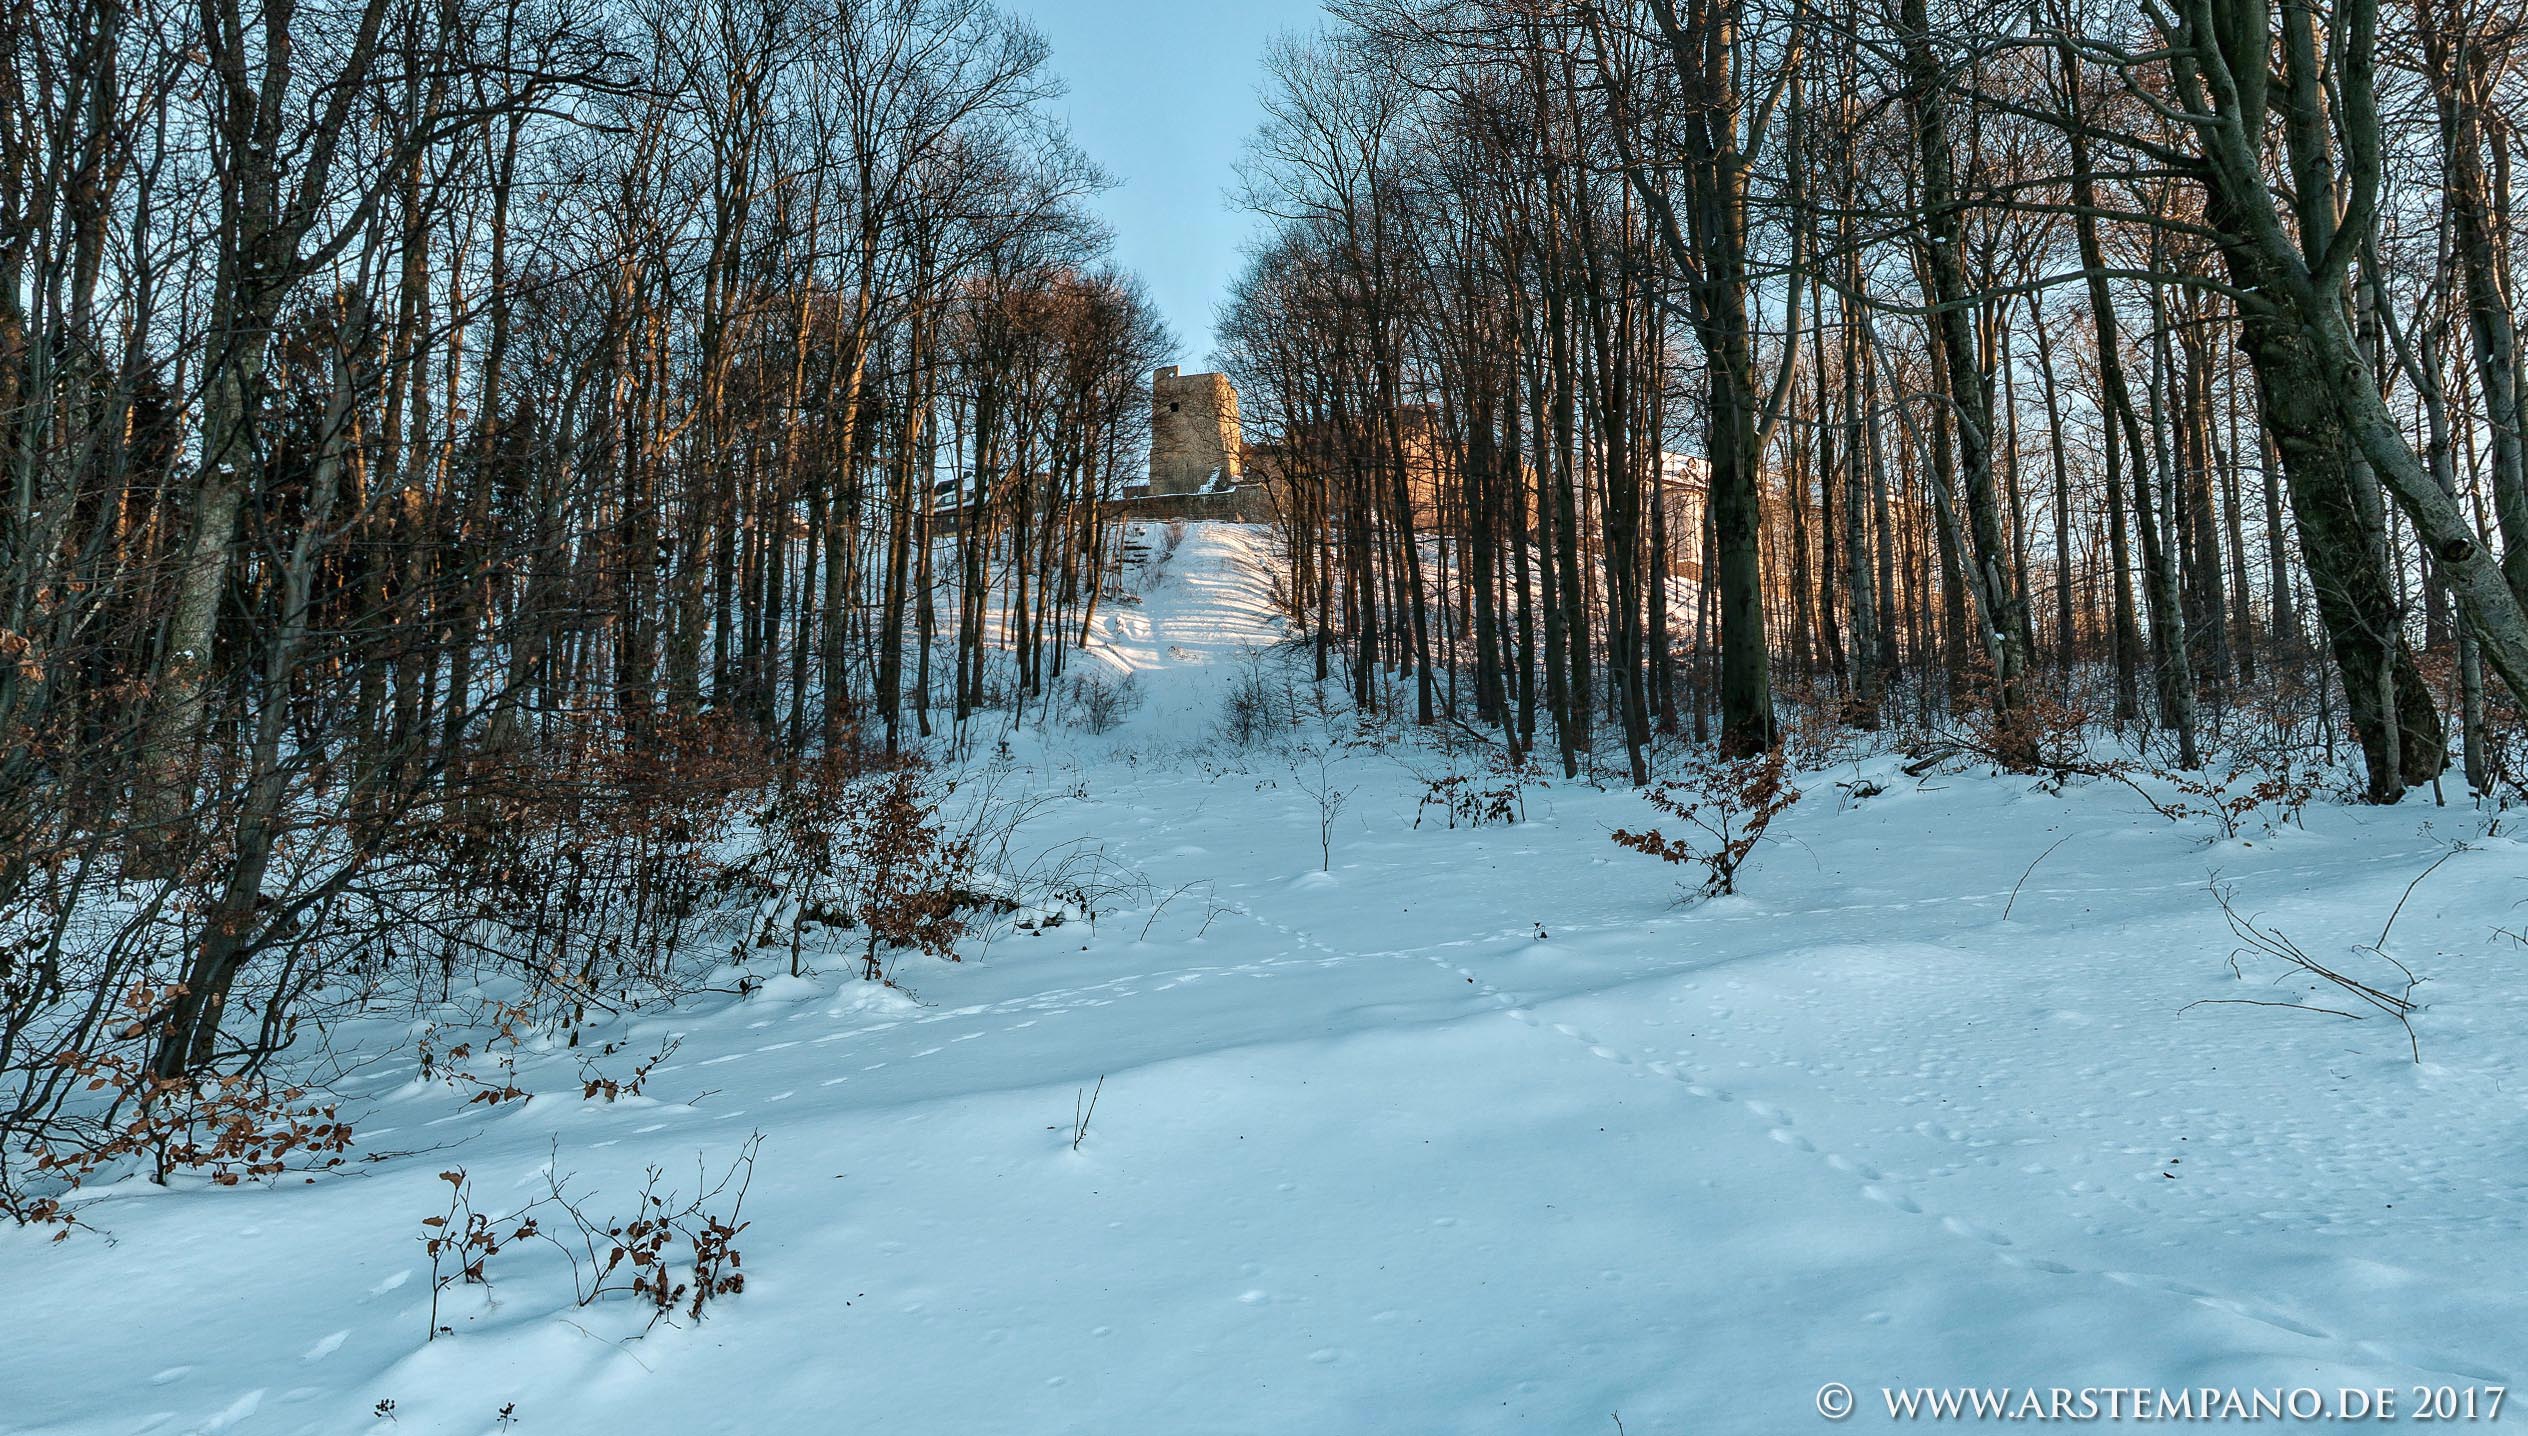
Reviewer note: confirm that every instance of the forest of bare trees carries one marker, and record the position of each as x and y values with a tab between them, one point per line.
1826	716
488	479
453	445
2009	373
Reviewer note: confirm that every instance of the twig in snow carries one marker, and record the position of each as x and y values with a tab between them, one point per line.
1162	903
2257	1002
2023	877
1080	1117
2399	910
2273	943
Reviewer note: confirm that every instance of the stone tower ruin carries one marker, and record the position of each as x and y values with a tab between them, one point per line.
1195	443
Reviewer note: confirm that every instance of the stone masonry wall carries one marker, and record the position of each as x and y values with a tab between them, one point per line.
1194	432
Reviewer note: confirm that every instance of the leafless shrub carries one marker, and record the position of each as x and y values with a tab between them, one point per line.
1312	769
857	842
228	1127
454	1066
2265	782
1213	908
462	1241
1099	703
1495	795
672	1253
595	1084
1729	803
1256	710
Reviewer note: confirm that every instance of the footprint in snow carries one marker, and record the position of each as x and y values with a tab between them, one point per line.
235	1411
2431	1361
2050	1268
2264	1317
2156	1283
327	1346
1975	1231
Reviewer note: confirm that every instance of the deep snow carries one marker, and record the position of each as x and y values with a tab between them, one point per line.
1479	1131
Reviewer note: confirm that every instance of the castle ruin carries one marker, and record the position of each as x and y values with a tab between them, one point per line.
1196	446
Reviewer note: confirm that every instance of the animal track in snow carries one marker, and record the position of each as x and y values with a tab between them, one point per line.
327	1346
1873	1186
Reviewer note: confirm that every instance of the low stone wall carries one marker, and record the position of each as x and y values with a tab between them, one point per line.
1248	505
1251	504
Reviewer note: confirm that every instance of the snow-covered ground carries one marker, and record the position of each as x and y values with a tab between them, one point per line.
1478	1131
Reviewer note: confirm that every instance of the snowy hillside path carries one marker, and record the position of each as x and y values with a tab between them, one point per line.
1478	1131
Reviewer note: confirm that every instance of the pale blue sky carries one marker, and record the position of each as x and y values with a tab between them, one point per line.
1163	95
